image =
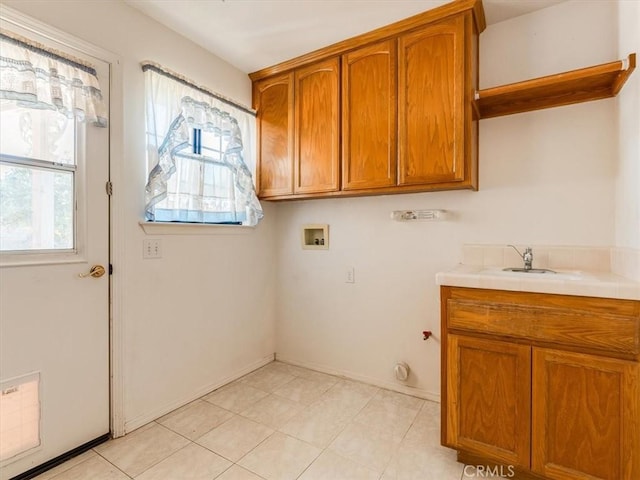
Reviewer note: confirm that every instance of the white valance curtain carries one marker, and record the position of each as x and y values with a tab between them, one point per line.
36	77
198	147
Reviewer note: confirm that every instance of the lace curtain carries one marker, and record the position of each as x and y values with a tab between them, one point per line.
36	77
196	151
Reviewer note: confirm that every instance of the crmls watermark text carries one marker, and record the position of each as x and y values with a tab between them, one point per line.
485	471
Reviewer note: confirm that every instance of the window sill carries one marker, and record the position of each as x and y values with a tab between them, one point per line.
171	228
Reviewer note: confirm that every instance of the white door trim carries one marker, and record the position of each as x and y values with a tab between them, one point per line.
116	204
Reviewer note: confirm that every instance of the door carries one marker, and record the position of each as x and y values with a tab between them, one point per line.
273	100
586	419
317	124
369	108
431	79
54	325
489	398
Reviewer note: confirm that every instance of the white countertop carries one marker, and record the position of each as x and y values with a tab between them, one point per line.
565	282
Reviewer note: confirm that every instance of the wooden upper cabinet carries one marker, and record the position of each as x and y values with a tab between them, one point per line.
388	111
586	419
273	99
431	109
317	127
489	395
369	116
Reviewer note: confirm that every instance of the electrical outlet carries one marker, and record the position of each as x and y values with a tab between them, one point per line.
152	248
351	275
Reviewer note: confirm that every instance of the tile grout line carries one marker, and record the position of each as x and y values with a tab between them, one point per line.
109	462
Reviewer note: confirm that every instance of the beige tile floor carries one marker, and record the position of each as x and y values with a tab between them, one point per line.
280	423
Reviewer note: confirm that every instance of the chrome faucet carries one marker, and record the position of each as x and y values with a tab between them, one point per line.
527	256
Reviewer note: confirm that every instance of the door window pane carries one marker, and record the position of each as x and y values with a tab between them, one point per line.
38	166
37	134
36	208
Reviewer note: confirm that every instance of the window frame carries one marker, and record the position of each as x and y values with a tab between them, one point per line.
191	146
77	254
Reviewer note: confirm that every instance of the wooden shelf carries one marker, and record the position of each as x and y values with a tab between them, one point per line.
583	85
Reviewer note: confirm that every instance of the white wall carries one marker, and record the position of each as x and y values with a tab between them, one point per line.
546	177
628	102
204	312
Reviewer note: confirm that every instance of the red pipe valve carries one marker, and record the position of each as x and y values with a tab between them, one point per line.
426	334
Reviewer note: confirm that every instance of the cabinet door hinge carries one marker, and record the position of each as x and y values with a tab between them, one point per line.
109	187
110	269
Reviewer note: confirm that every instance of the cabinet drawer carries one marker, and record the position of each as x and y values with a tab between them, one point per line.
548	322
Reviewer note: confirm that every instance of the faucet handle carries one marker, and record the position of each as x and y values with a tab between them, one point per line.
527	256
521	255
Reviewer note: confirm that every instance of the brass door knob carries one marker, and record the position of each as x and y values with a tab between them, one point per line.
96	272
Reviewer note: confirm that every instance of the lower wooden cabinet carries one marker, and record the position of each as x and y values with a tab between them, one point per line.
559	409
489	391
585	416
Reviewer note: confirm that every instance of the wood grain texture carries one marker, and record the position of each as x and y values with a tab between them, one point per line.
585	84
369	106
473	7
585	406
445	294
489	394
596	305
585	416
317	127
472	116
426	142
433	187
273	99
431	104
565	326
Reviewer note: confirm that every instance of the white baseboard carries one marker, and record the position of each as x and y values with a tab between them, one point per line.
141	420
416	392
137	422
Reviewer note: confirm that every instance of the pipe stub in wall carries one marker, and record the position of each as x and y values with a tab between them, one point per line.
402	371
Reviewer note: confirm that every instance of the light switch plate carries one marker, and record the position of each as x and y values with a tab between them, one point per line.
152	248
350	275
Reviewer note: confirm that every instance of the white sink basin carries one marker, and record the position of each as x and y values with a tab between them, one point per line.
533	274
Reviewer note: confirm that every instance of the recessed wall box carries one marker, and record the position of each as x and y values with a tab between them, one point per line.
315	237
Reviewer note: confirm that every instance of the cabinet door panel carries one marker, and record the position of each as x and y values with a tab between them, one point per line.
431	78
317	150
585	417
274	103
369	117
489	398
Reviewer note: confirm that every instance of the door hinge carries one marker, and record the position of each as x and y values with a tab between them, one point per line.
110	269
109	187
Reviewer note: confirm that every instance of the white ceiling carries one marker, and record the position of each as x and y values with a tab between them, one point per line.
253	34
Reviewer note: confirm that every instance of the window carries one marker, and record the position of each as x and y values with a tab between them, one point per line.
37	179
197	144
